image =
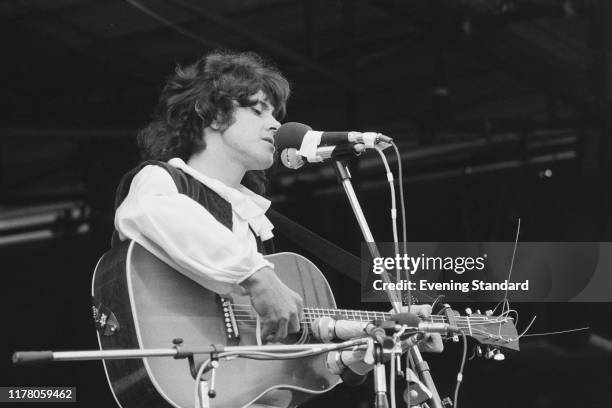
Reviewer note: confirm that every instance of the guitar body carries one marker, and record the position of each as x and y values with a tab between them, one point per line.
155	304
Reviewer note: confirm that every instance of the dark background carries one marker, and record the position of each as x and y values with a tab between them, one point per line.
501	110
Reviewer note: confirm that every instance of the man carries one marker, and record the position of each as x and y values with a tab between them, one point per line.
213	131
216	121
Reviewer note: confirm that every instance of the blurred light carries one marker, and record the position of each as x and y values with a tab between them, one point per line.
38	222
26	237
466	26
546	173
568	8
440	91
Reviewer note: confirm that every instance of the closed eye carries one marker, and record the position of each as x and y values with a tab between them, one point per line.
257	111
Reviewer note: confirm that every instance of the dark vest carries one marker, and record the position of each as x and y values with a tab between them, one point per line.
220	209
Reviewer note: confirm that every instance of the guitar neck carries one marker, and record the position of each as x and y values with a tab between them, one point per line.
312	313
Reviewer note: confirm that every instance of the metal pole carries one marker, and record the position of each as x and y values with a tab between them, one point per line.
422	369
345	178
25	357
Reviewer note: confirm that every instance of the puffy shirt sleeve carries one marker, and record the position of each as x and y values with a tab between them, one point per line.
184	234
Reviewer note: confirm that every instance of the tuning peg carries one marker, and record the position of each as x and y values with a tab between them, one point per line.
455	339
468	311
498	355
489	312
489	353
478	351
478	311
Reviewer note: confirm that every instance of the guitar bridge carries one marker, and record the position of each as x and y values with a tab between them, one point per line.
229	319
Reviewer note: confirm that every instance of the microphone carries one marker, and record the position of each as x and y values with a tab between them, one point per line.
353	365
327	329
317	146
292	159
349	365
441	328
292	134
338	361
414	321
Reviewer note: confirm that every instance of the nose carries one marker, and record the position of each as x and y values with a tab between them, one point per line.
273	124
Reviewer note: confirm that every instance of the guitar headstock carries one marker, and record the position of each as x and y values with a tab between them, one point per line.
494	331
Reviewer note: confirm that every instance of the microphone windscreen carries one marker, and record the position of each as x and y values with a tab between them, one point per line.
290	134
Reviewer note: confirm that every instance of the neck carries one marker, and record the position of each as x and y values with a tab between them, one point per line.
214	162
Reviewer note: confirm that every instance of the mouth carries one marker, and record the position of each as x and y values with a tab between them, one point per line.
269	140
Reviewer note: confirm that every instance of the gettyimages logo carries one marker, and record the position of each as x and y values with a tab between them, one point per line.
412	264
480	271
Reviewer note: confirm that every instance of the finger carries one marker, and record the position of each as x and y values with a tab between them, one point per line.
269	327
294	323
300	306
432	343
281	330
437	343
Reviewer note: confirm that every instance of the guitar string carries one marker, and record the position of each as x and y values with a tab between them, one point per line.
246	319
466	325
476	320
480	332
467	322
349	312
475	331
352	313
244	316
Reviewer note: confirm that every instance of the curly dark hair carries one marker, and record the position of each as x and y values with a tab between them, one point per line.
205	91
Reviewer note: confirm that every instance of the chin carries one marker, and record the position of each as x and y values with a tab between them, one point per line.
263	164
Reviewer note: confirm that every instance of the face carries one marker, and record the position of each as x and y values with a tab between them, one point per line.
250	139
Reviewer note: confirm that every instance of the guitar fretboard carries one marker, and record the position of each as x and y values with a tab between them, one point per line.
312	313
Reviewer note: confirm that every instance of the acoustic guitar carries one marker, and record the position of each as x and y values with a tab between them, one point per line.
141	302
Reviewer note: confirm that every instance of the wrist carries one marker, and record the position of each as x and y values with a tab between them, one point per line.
257	280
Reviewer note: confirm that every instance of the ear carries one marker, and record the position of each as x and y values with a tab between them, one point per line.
215	125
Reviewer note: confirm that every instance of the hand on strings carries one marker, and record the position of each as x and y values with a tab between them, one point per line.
279	308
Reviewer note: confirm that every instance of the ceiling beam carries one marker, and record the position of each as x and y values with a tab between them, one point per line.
265	43
63	133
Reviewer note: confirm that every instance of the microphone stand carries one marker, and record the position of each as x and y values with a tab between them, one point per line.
421	365
380	382
177	352
422	369
215	351
345	179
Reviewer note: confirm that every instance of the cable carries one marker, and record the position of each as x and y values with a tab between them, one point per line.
518	231
403	210
460	373
392	373
261	355
393	207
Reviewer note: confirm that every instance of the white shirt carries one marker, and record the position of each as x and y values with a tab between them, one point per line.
185	235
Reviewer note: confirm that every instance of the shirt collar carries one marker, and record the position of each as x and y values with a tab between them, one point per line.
246	204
